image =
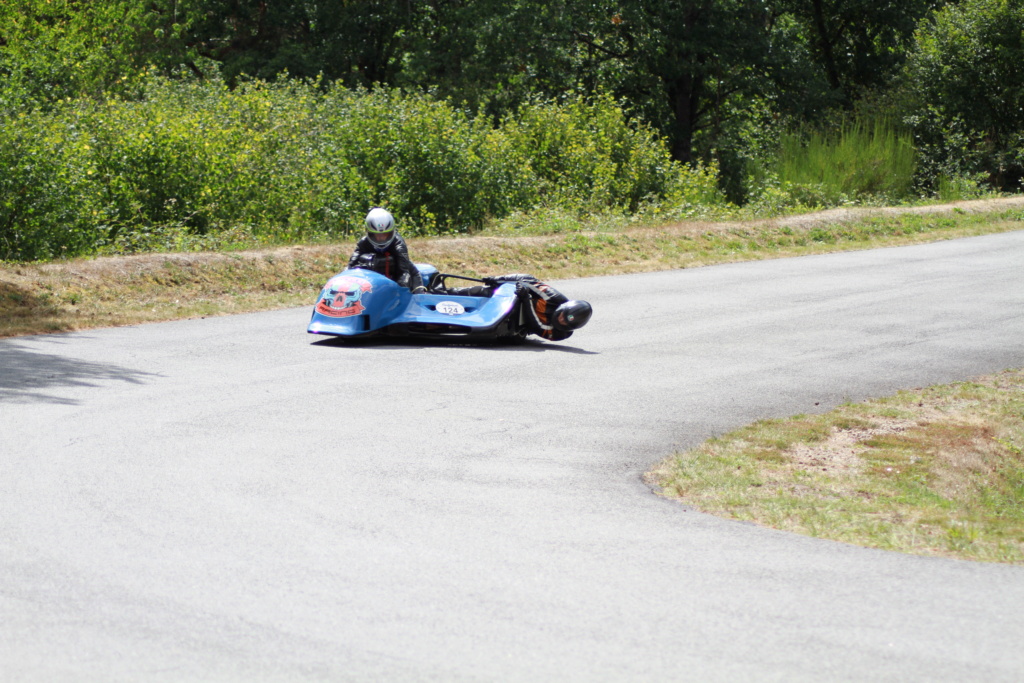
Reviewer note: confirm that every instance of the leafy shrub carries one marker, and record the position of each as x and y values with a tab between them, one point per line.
50	51
47	206
587	156
967	84
284	161
435	167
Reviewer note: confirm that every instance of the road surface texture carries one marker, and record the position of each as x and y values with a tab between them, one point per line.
234	500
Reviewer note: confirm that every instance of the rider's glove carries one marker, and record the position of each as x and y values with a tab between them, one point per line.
492	281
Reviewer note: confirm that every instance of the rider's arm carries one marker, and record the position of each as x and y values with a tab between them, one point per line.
516	277
406	265
360	249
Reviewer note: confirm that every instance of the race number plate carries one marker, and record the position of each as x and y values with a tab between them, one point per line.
450	308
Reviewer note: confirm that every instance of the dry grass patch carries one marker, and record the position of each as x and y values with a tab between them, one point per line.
936	471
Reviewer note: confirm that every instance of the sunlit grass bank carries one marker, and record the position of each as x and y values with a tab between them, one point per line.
86	293
934	471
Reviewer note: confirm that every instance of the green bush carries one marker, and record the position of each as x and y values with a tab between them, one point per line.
48	207
435	167
193	162
967	85
588	157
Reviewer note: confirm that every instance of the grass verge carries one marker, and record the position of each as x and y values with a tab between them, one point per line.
63	296
935	471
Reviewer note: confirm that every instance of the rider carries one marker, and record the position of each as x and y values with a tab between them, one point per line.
550	314
384	250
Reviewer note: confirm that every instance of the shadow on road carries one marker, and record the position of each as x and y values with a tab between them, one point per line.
28	376
391	343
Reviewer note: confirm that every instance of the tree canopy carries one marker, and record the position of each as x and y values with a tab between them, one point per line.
966	72
709	75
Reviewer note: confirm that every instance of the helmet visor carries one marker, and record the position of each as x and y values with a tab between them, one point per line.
381	238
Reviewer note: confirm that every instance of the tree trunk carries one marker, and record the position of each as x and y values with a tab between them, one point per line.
825	46
684	98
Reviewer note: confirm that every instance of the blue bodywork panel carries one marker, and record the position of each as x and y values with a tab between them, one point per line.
362	303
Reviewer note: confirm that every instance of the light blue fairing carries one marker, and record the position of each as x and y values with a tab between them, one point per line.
360	302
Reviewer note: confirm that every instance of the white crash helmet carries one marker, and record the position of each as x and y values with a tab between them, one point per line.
380	228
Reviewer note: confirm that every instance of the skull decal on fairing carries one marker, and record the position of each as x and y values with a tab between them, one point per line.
342	297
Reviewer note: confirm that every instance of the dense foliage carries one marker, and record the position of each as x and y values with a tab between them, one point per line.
291	161
966	73
132	124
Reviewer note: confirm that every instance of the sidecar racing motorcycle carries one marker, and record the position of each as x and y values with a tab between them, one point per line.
361	303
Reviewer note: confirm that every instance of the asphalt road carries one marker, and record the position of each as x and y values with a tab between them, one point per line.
234	500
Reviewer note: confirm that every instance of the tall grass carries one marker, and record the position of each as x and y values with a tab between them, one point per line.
861	160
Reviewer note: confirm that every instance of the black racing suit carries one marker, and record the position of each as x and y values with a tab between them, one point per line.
539	301
392	262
